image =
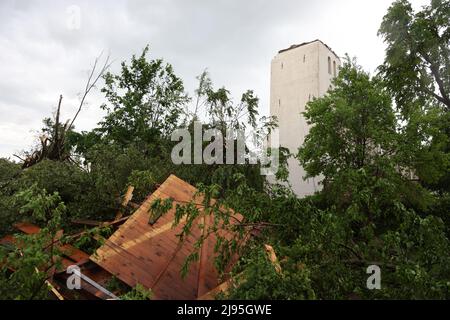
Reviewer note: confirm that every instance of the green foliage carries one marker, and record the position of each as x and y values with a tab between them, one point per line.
417	73
221	111
421	256
372	203
87	194
354	125
385	166
69	181
417	64
114	284
144	183
111	168
9	172
369	212
189	215
158	208
139	292
93	238
24	283
146	100
226	116
260	281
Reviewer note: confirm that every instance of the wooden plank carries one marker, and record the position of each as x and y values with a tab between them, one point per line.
126	199
52	287
54	290
65	263
118	221
27	227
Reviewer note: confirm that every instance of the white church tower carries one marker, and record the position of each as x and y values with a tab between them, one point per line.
298	74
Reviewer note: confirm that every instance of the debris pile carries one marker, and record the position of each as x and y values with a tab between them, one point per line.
140	252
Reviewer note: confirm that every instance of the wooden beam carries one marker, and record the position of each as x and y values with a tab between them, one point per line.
223	287
87	222
52	288
126	199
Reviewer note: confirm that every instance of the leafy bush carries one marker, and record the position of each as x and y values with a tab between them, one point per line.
260	281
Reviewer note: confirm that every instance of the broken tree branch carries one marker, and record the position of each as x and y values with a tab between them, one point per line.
90	84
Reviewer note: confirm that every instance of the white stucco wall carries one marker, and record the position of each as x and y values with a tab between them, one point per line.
298	75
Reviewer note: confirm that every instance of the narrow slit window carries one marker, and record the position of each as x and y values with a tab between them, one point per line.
334	68
329	65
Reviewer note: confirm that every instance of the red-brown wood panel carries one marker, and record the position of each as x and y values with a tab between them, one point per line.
152	254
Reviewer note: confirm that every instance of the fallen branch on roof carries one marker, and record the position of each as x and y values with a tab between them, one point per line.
126	200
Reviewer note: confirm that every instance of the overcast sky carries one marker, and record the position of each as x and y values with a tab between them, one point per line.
47	50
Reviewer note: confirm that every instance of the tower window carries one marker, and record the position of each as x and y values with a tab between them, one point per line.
304	58
334	68
329	65
282	65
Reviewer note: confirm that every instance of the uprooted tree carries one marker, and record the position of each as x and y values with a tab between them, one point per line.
53	140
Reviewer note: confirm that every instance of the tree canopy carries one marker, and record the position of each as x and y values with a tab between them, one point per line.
379	142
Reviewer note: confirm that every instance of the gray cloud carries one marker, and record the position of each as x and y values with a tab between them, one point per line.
40	57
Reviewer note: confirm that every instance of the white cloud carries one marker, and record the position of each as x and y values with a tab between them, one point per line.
40	57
